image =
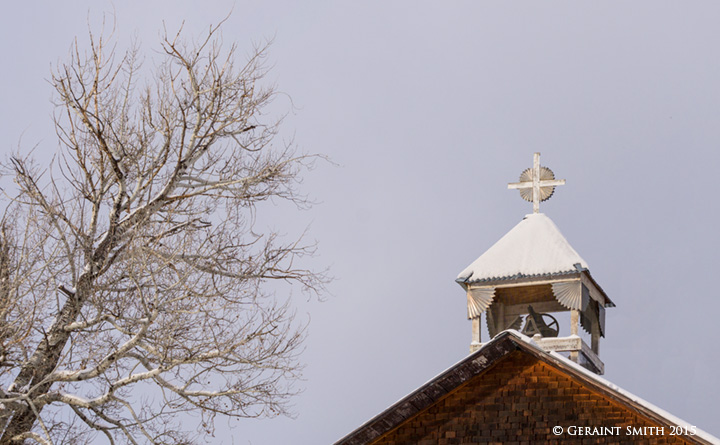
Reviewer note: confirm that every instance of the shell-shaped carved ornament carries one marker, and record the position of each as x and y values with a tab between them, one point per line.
568	293
545	192
478	300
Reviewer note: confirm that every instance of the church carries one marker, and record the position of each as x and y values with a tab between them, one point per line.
526	384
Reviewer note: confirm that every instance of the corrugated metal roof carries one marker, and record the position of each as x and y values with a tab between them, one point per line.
534	247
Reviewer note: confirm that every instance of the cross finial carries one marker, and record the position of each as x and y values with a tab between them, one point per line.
536	184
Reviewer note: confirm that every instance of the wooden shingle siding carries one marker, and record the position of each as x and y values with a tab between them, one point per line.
518	401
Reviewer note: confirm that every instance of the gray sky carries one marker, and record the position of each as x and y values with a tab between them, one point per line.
430	109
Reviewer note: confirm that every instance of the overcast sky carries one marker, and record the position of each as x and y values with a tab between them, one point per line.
429	109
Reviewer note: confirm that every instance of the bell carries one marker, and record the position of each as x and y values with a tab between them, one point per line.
534	324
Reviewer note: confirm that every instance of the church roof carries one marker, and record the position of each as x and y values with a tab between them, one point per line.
534	247
480	361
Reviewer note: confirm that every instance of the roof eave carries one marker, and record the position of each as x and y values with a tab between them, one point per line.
530	279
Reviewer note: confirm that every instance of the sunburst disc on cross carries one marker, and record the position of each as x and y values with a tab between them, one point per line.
536	184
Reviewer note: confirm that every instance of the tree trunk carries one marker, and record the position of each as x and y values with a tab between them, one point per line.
43	363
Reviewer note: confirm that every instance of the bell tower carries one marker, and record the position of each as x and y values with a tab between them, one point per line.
530	276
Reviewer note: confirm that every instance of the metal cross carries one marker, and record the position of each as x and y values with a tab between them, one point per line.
536	184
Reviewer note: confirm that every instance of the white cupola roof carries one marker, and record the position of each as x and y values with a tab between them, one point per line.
534	247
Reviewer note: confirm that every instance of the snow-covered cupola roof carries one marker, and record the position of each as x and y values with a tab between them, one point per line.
534	247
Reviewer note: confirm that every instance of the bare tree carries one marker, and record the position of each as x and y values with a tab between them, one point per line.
132	278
